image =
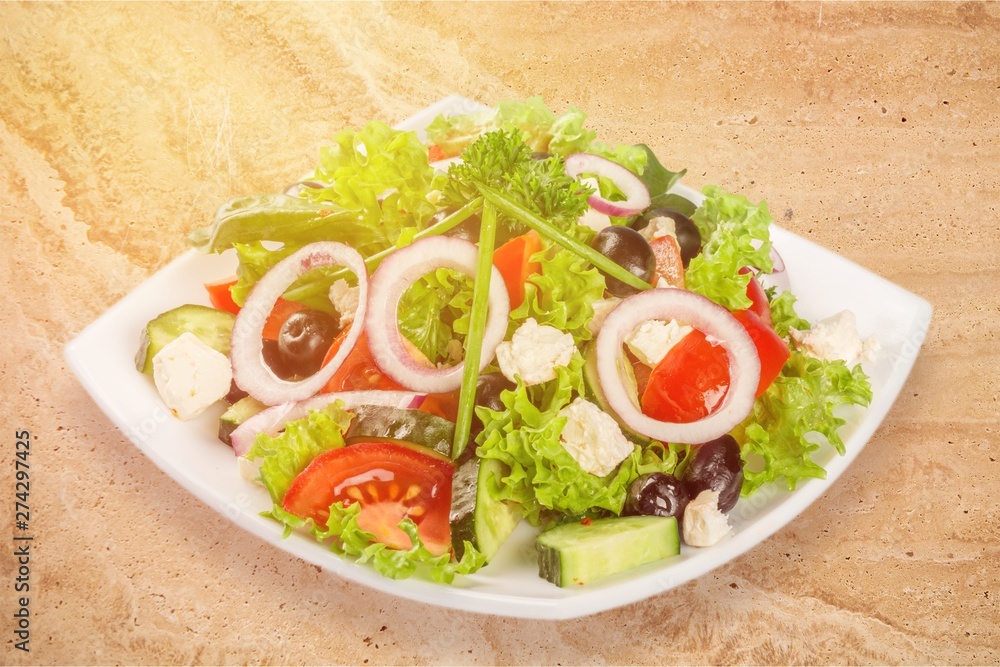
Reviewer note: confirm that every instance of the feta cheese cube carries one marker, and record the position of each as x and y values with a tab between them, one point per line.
593	438
651	340
534	352
835	338
190	375
703	524
346	300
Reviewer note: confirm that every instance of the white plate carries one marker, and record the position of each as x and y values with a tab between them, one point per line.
101	357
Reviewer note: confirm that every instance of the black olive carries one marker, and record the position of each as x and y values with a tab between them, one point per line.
235	393
688	237
656	494
628	249
717	466
304	339
488	390
273	359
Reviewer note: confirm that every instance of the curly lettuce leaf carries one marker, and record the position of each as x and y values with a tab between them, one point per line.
779	436
542	476
562	294
344	536
379	173
735	236
285	455
435	310
783	315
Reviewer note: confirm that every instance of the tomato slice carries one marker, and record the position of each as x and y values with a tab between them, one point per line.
282	311
359	370
755	293
220	297
689	382
513	260
390	481
771	348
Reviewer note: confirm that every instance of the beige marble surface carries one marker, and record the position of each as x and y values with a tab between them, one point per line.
871	129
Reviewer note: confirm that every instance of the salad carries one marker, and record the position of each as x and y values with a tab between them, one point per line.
635	377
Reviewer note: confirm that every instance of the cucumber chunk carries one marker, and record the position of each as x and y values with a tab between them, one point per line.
238	412
213	327
575	553
387	423
476	516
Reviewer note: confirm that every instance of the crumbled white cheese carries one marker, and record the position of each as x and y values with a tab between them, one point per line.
249	470
703	523
534	352
651	340
345	299
593	219
601	309
190	375
593	438
834	338
659	227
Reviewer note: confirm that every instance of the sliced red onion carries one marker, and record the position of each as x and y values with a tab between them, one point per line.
392	278
715	322
635	191
778	264
250	371
272	420
295	188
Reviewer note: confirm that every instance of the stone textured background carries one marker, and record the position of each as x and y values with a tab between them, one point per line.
871	129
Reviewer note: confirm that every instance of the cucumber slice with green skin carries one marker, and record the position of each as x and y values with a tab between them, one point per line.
575	553
476	516
238	412
213	327
387	423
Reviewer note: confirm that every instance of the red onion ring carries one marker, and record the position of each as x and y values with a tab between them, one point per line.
250	371
394	275
635	191
708	317
777	263
272	420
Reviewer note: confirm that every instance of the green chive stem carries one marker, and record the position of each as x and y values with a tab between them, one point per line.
477	326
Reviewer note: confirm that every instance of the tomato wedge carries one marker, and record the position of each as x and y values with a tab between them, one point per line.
513	261
771	348
359	370
220	297
389	481
689	382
